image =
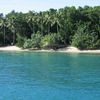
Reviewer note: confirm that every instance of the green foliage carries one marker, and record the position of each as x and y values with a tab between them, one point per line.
27	44
1	39
66	25
50	41
20	40
34	42
85	40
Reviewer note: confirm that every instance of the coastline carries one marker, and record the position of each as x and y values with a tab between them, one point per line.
69	49
12	48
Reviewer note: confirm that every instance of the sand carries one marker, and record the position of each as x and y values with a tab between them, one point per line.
69	49
10	48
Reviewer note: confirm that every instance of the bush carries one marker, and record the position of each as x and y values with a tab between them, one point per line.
86	41
27	44
34	42
20	41
50	41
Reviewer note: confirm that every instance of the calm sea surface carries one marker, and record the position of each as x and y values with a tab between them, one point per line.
49	76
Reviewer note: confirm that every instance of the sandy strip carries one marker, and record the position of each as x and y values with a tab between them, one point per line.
11	48
69	49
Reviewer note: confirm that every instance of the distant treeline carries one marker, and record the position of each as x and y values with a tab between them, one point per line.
79	27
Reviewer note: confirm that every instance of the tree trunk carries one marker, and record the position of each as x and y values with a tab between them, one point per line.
41	27
33	29
13	37
4	33
48	28
57	28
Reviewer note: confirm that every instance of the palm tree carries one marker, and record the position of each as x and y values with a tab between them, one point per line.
11	26
40	21
56	21
3	26
47	21
30	17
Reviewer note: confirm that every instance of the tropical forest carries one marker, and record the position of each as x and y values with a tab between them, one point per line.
55	28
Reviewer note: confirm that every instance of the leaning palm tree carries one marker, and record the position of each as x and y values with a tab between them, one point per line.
11	26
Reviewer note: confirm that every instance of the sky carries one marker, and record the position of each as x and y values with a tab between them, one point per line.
7	6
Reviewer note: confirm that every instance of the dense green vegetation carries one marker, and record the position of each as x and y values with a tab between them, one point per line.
52	29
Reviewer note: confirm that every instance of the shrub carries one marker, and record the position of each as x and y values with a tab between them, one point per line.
50	41
86	41
34	42
27	44
20	41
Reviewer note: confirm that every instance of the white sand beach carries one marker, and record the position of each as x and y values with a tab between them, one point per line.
72	49
69	49
10	48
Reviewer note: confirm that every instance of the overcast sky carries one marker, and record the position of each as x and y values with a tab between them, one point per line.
7	6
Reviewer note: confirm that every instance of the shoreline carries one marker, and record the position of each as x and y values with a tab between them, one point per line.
69	49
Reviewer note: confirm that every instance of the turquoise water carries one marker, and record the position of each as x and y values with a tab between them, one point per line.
49	76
